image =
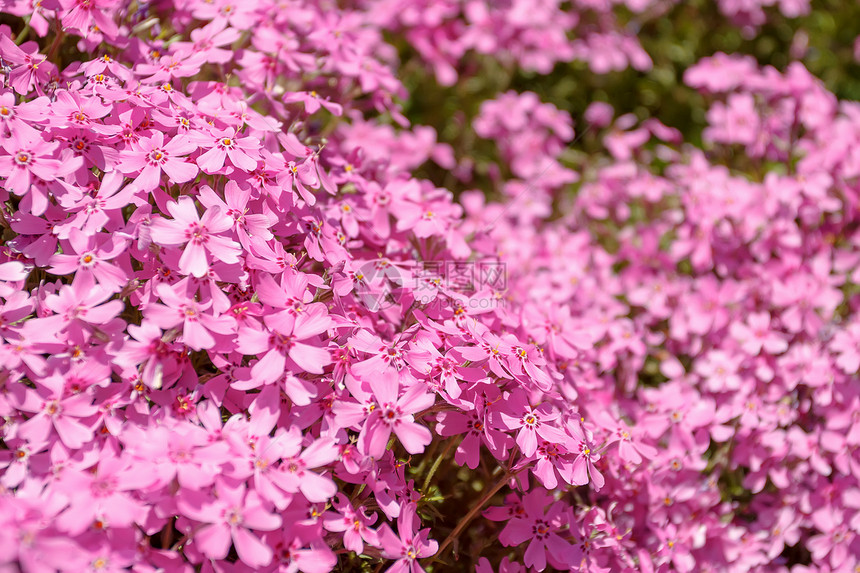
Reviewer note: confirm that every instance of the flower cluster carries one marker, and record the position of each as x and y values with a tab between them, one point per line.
238	331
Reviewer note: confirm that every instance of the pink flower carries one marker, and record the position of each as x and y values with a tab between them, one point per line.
312	102
299	547
409	546
223	144
247	225
182	452
82	15
197	324
31	156
83	305
90	263
67	415
32	68
477	428
355	525
231	517
93	211
530	422
199	235
284	340
756	334
20	117
294	474
100	496
539	527
395	413
153	156
586	454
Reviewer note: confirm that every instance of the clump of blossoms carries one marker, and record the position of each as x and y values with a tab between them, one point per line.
238	333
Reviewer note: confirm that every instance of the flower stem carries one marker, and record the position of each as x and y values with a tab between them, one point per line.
436	465
19	39
473	512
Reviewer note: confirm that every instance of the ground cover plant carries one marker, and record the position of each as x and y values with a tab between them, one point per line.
429	285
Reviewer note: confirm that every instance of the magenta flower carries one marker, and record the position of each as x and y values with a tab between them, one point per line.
476	427
231	517
197	324
530	422
82	16
283	340
69	416
395	413
153	156
243	152
355	525
199	235
83	305
100	496
410	545
28	157
756	334
247	225
540	527
294	473
91	261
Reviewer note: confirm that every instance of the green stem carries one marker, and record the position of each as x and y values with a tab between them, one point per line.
436	465
19	39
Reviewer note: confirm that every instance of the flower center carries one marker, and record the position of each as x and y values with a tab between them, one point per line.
390	415
196	233
540	529
23	158
281	342
234	517
102	487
